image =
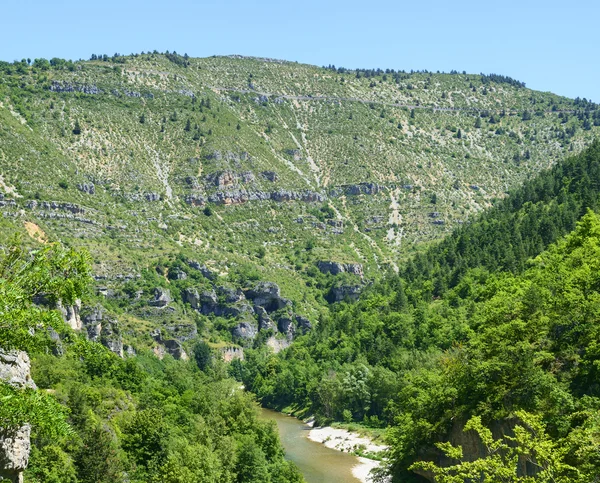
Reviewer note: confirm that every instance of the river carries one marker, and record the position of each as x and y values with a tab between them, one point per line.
317	463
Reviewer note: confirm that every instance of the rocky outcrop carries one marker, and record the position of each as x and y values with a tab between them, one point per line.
177	274
162	297
152	196
231	353
264	321
239	196
71	314
266	300
268	296
15	368
270	176
223	178
336	268
65	86
168	346
286	327
195	200
15	445
103	329
230	295
183	332
278	344
244	330
361	189
343	292
206	272
88	188
56	205
304	325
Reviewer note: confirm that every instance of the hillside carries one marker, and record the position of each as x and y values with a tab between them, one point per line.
491	346
205	176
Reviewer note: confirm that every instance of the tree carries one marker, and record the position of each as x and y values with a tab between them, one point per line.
97	460
57	274
142	118
202	355
188	125
529	444
77	128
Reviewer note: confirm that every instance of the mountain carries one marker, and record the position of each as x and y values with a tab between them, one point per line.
397	250
216	174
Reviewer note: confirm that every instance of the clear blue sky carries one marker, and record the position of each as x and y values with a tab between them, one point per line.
550	45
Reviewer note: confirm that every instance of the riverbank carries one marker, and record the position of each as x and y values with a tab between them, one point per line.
349	442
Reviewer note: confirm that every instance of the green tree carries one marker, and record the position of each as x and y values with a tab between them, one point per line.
529	444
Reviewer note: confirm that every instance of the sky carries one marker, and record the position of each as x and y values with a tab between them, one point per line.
550	45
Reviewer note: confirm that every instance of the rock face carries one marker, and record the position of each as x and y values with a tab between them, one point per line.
268	296
103	328
169	346
71	314
336	268
244	330
15	443
339	294
162	297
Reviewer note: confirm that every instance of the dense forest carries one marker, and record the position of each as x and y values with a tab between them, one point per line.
515	330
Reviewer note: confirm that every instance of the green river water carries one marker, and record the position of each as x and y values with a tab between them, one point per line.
317	463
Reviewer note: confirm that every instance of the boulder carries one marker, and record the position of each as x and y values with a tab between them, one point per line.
162	297
244	330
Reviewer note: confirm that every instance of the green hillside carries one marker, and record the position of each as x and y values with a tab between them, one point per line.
402	251
495	344
258	169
